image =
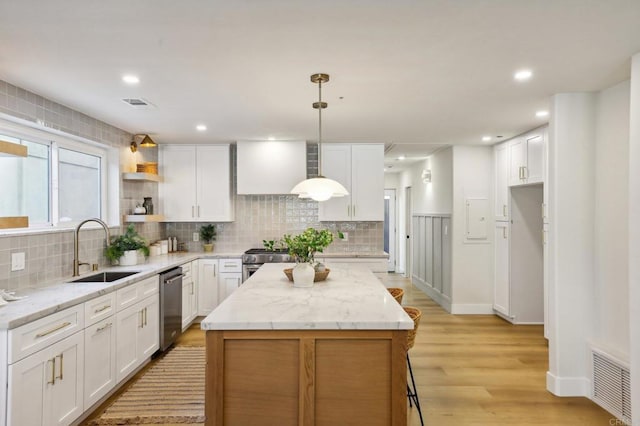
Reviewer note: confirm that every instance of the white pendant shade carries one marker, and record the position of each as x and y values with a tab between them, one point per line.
319	189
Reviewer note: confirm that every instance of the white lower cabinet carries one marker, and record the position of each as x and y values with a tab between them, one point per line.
137	336
189	293
501	290
100	360
46	388
207	285
228	283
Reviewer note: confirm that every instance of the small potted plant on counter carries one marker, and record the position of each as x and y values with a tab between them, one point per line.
303	248
208	235
124	248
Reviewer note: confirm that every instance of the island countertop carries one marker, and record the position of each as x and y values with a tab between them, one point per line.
351	298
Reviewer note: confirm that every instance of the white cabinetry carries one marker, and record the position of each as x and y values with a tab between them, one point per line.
99	348
46	388
270	167
501	269
197	183
137	335
189	293
501	168
360	169
230	277
207	285
526	158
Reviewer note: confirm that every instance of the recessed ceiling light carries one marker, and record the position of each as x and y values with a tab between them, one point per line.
523	75
542	113
271	138
401	158
130	79
486	138
385	169
201	127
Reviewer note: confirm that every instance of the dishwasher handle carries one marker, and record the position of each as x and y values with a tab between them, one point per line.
172	279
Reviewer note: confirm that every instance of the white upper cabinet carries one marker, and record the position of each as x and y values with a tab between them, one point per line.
197	183
270	167
360	168
527	158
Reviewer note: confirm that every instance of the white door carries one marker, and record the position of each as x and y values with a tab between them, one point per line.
501	208
390	240
178	189
64	400
408	256
501	269
535	159
148	335
517	153
207	285
336	165
367	182
446	256
100	360
213	184
128	322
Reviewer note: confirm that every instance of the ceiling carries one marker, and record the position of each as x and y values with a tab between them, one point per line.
408	73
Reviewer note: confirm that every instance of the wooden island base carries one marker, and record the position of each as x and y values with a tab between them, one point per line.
306	378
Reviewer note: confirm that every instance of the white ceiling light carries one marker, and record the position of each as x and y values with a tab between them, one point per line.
401	157
201	127
486	138
542	113
130	79
523	75
271	138
320	188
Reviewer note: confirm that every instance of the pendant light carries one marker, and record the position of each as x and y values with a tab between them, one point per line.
319	188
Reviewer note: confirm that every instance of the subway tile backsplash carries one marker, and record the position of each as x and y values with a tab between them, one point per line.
49	255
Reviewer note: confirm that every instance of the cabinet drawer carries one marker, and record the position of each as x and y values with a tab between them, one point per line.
99	308
186	268
230	265
30	338
132	294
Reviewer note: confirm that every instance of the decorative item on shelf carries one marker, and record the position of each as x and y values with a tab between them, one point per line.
208	235
303	248
319	188
124	248
145	142
148	205
139	210
148	167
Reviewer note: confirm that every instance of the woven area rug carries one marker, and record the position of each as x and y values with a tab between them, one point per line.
171	391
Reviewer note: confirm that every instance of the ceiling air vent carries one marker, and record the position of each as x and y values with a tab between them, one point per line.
611	385
138	103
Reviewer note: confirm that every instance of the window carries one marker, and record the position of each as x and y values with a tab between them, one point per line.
60	182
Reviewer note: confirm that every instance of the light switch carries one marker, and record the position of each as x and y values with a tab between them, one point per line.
17	261
196	237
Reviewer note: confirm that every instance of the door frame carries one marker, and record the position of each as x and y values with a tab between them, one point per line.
390	194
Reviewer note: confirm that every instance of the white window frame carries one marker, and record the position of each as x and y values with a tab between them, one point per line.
109	171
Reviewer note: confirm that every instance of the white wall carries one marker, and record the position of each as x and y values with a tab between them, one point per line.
611	220
571	240
472	271
391	180
436	196
634	236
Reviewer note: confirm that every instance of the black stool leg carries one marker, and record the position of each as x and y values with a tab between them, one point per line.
412	394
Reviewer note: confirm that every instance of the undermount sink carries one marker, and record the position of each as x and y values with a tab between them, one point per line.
104	277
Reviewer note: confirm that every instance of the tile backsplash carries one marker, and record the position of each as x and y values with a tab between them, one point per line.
49	255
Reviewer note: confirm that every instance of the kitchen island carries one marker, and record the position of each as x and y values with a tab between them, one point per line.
332	354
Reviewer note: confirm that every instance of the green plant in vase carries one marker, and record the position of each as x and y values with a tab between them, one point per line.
303	248
123	248
208	236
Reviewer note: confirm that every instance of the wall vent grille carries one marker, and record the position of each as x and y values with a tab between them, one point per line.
612	386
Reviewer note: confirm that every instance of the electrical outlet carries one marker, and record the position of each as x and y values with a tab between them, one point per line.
196	237
17	261
345	236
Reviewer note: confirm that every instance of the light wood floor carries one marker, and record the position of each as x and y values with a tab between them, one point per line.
477	370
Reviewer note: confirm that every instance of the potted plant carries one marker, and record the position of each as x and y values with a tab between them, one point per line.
124	248
208	235
303	248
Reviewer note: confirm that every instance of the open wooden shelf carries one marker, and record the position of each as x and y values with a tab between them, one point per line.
143	218
146	177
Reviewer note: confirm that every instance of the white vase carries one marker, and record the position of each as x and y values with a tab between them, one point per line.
303	275
129	258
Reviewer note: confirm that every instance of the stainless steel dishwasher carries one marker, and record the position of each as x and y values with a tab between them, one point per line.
170	307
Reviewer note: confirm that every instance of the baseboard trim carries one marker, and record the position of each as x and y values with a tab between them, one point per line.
472	309
436	296
568	386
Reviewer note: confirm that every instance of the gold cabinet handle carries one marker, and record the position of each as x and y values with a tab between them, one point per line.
191	288
504	232
104	327
198	211
54	329
145	316
61	377
101	309
354	210
525	172
349	210
193	209
141	319
504	210
53	371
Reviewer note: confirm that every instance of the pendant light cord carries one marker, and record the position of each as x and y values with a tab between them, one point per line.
320	128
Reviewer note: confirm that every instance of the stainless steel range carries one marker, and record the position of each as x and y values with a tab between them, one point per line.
253	259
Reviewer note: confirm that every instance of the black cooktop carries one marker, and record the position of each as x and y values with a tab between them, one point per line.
264	250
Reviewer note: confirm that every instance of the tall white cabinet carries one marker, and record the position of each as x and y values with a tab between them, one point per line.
208	271
197	183
360	169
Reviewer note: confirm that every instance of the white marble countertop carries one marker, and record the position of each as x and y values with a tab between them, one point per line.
351	298
374	255
43	301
